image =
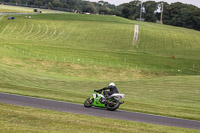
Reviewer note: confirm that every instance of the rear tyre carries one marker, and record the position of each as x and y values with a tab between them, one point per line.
88	103
113	106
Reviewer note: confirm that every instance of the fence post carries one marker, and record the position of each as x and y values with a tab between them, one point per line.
124	61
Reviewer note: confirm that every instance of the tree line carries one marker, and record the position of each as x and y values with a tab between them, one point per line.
80	6
176	14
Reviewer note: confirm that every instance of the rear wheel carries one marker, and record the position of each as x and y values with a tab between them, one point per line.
113	105
88	103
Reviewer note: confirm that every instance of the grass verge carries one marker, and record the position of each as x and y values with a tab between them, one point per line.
170	96
26	119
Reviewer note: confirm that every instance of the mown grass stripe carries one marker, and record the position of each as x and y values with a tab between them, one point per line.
5	28
21	30
36	28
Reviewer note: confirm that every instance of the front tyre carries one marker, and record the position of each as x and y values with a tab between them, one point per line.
113	106
88	103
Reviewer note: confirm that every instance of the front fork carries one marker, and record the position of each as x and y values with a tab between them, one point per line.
90	100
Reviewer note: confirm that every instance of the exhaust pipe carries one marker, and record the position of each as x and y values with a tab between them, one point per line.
121	102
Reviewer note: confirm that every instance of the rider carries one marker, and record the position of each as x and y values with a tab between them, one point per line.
112	87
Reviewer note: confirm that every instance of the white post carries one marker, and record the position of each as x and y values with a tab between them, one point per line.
124	61
141	12
161	15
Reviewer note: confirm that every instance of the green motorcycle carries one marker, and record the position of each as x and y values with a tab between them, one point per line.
98	99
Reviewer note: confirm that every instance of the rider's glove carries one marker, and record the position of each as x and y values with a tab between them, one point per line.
98	90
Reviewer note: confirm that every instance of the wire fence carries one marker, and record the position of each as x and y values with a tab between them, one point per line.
125	64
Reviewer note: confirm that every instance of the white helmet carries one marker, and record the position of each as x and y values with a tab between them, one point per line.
112	84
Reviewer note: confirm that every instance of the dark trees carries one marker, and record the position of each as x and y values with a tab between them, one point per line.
131	10
150	8
184	15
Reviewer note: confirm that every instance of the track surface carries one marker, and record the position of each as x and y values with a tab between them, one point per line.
80	109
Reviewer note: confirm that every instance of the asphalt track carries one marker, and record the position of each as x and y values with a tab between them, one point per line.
80	109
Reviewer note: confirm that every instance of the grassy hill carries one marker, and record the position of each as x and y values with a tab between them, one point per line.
19	9
168	40
107	38
66	56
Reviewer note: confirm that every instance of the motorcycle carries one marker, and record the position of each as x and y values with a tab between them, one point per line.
99	99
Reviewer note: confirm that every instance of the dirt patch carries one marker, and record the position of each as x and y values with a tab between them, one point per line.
89	71
12	61
86	70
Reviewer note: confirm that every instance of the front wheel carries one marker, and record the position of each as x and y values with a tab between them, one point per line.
113	105
88	103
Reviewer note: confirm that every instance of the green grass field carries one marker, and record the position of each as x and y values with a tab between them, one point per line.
103	40
24	119
7	8
18	9
170	96
66	56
